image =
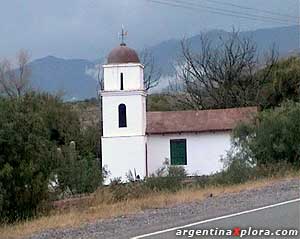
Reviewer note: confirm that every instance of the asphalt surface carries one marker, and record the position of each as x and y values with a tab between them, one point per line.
283	217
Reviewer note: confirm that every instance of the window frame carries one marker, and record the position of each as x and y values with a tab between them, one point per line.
122	113
121	81
176	141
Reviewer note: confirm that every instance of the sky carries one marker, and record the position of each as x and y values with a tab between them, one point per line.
89	28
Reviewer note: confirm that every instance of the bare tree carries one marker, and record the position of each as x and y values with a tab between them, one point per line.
14	78
152	73
222	74
100	79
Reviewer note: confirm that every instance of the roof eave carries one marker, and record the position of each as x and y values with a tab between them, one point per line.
189	132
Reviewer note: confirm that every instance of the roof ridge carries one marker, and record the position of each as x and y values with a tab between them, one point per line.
236	108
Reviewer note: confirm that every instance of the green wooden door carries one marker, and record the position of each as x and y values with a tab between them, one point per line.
178	152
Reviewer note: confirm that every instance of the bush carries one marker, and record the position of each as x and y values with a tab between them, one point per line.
270	147
277	137
237	172
78	173
169	178
27	157
35	132
124	191
166	179
282	84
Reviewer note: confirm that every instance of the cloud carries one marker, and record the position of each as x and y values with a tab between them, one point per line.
94	72
88	29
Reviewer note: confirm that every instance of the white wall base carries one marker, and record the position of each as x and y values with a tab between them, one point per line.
122	154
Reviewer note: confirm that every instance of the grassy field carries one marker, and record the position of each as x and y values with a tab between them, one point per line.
100	206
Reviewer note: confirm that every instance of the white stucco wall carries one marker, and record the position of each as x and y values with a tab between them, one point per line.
204	151
121	154
135	110
132	76
124	149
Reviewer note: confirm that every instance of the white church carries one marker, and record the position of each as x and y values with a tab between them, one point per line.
139	141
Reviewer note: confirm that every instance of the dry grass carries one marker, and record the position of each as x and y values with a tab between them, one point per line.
99	208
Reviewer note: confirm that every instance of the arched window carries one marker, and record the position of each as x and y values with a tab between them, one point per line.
122	116
121	81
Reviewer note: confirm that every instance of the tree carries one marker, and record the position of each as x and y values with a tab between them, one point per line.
152	74
78	172
283	83
222	74
275	139
162	102
14	79
27	157
35	134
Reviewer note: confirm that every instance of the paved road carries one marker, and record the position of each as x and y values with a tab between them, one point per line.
283	216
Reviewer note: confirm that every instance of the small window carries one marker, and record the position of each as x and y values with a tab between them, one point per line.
178	152
122	116
121	81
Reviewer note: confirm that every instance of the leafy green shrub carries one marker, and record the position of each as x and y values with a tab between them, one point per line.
282	83
277	137
274	140
167	178
236	172
268	148
27	157
78	173
35	132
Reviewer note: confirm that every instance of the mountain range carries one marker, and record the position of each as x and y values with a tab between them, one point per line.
77	78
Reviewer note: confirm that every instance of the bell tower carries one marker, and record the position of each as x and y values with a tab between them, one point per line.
124	114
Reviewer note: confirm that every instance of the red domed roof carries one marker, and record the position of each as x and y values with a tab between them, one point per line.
122	54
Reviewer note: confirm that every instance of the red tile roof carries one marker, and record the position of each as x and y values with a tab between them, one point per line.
197	121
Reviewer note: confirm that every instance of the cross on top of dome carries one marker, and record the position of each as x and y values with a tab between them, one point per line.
123	54
123	34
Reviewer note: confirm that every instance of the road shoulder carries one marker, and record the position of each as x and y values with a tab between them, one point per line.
159	219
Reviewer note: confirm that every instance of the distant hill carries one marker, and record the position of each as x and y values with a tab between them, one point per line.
286	39
75	76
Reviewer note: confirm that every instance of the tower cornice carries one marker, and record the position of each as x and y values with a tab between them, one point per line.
123	65
123	93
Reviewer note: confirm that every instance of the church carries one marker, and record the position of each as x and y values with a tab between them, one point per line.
139	141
